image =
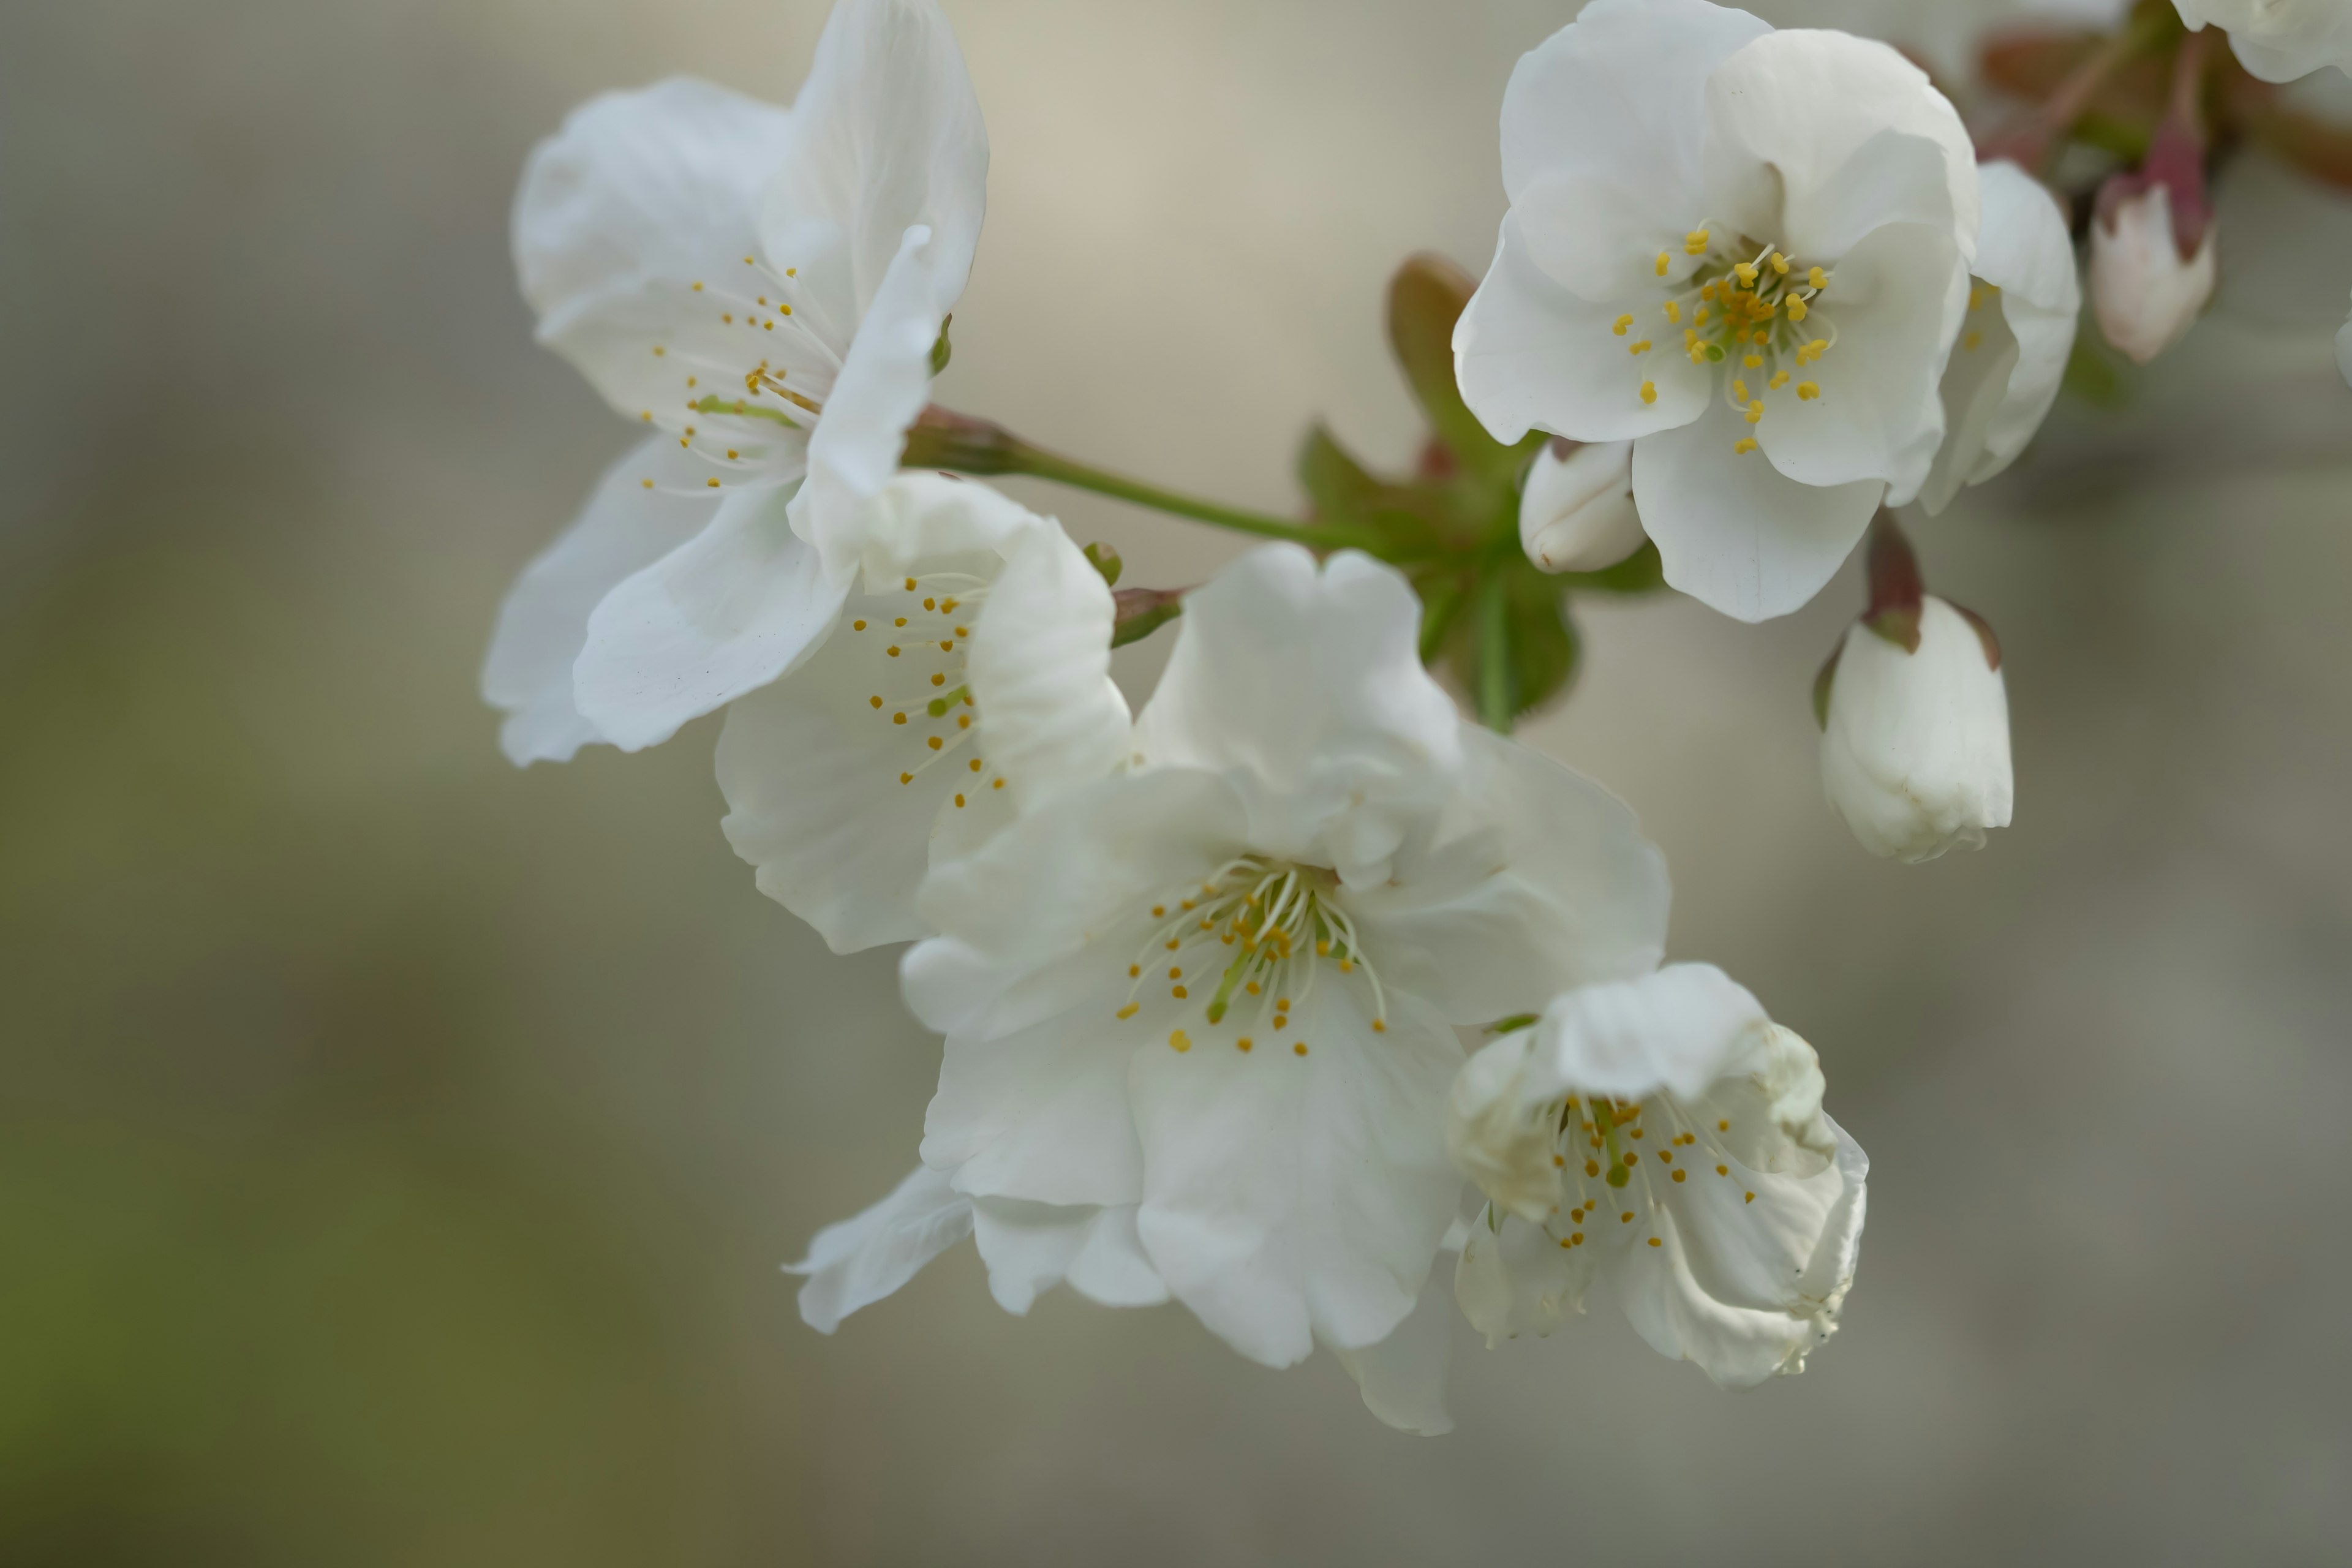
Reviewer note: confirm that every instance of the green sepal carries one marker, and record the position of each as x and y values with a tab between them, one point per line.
1515	1020
2095	375
1899	627
1518	650
1105	559
942	351
1143	610
1345	494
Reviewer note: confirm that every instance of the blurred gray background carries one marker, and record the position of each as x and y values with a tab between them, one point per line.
397	1150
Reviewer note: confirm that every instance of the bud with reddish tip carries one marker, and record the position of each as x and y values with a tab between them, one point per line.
1576	509
1915	718
2153	263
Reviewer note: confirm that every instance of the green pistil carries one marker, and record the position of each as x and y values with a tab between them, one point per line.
714	404
938	706
1225	995
1617	1175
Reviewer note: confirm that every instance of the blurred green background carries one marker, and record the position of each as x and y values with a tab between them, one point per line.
397	1150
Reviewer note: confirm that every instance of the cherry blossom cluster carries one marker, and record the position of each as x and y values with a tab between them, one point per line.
1298	995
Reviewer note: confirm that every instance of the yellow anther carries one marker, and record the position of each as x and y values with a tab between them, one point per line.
1976	297
1755	412
959	803
1779	264
1699	316
1655	1242
1780	379
1591	1168
1744	446
1754	362
1690	336
911	587
1637	349
1622	322
1680	1175
1299	1049
1178	992
1817	278
1673	310
1180	1040
906	778
1664	262
1738	390
1759	336
1797	309
939	681
712	483
1380	1026
1707	291
1130	1010
1649	392
1723	1169
1694	242
1745	272
1749	1198
1808	390
1242	1044
935	743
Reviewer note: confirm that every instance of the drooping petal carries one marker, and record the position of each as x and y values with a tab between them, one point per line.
1735	534
719	616
1746	1287
1620	90
883	384
860	1260
1516	1278
1787	113
2029	257
1293	1196
1898	298
647	504
1304	687
1051	718
1529	354
1557	890
887	136
1402	1378
1031	1247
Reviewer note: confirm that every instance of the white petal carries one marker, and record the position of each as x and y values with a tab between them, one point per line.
1786	116
544	622
1623	89
1402	1378
1745	1289
1528	355
718	617
1051	718
1031	1247
1896	303
887	136
1304	687
882	386
1732	531
1289	1197
1559	889
2029	255
860	1260
1516	1279
916	520
661	184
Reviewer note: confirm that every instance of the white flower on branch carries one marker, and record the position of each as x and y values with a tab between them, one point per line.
966	679
1576	509
2023	302
761	290
1748	253
1217	993
1664	1135
2278	40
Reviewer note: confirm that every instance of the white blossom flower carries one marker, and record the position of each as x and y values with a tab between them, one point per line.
2146	290
966	679
1576	509
1748	253
1218	991
1665	1133
1914	745
2023	302
764	288
2278	40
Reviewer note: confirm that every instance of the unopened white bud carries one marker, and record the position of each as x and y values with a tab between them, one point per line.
2146	295
1576	512
1915	746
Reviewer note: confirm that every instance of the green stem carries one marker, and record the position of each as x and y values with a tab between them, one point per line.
1496	708
944	440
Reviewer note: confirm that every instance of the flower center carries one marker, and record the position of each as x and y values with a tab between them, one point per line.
1618	1157
750	366
926	629
1750	310
1250	939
